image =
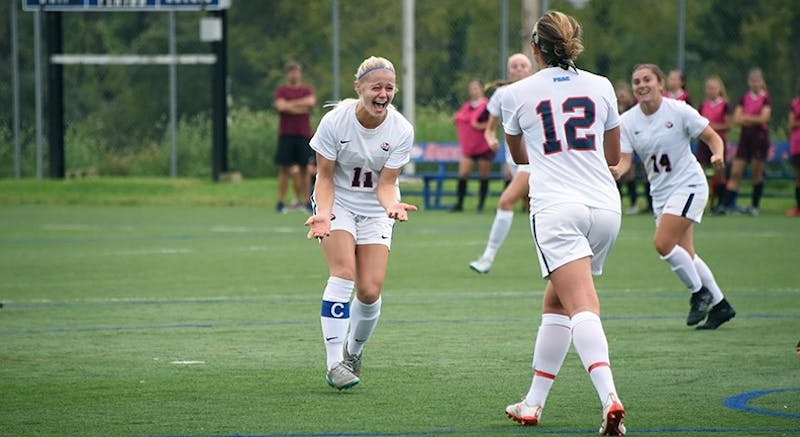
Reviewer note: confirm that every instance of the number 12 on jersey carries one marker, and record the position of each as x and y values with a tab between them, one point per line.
572	105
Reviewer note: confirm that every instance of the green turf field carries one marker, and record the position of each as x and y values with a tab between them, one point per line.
197	320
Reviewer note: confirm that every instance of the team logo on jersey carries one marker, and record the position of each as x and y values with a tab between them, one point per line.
385	147
669	125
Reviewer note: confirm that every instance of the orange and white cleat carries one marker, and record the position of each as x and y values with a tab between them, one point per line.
613	412
524	414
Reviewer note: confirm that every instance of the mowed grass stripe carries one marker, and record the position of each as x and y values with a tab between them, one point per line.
451	350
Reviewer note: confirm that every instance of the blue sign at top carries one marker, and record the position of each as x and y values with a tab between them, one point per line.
124	5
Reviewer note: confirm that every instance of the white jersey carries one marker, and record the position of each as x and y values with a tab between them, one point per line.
662	141
494	103
361	154
494	109
563	116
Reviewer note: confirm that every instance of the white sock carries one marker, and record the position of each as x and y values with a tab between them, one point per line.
708	280
681	263
500	227
552	344
591	345
363	319
335	316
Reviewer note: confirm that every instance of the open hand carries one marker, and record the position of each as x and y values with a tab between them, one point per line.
320	226
399	211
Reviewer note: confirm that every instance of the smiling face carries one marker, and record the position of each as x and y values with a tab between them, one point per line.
519	67
376	91
647	86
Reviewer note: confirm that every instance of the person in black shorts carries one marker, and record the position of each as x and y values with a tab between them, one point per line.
294	157
752	114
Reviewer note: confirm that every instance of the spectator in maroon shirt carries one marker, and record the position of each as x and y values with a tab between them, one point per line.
752	113
294	157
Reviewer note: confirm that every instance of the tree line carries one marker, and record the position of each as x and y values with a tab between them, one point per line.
126	108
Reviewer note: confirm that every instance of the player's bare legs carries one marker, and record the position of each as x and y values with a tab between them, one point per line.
339	251
371	262
516	190
283	186
300	182
570	291
574	286
732	187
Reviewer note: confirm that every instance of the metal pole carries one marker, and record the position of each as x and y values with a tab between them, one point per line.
503	37
681	34
335	54
408	60
15	86
173	99
409	69
531	11
37	72
219	102
55	96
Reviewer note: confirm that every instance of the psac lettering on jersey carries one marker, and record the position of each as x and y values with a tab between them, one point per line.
561	79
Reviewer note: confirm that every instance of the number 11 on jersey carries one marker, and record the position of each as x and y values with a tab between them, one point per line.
357	182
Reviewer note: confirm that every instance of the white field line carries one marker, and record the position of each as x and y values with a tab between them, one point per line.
157	251
69	227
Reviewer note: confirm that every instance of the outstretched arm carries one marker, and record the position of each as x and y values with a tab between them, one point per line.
320	222
490	133
622	167
714	141
387	195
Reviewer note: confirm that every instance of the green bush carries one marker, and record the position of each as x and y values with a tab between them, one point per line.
252	139
431	124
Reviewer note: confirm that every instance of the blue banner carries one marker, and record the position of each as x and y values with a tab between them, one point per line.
124	5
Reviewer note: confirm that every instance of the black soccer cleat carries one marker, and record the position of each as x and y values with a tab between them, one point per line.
719	314
699	304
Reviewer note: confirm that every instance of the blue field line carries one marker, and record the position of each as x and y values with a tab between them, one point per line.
266	323
314	299
90	236
109	328
118	302
740	402
509	431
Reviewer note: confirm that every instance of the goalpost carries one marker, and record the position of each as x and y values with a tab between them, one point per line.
213	30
